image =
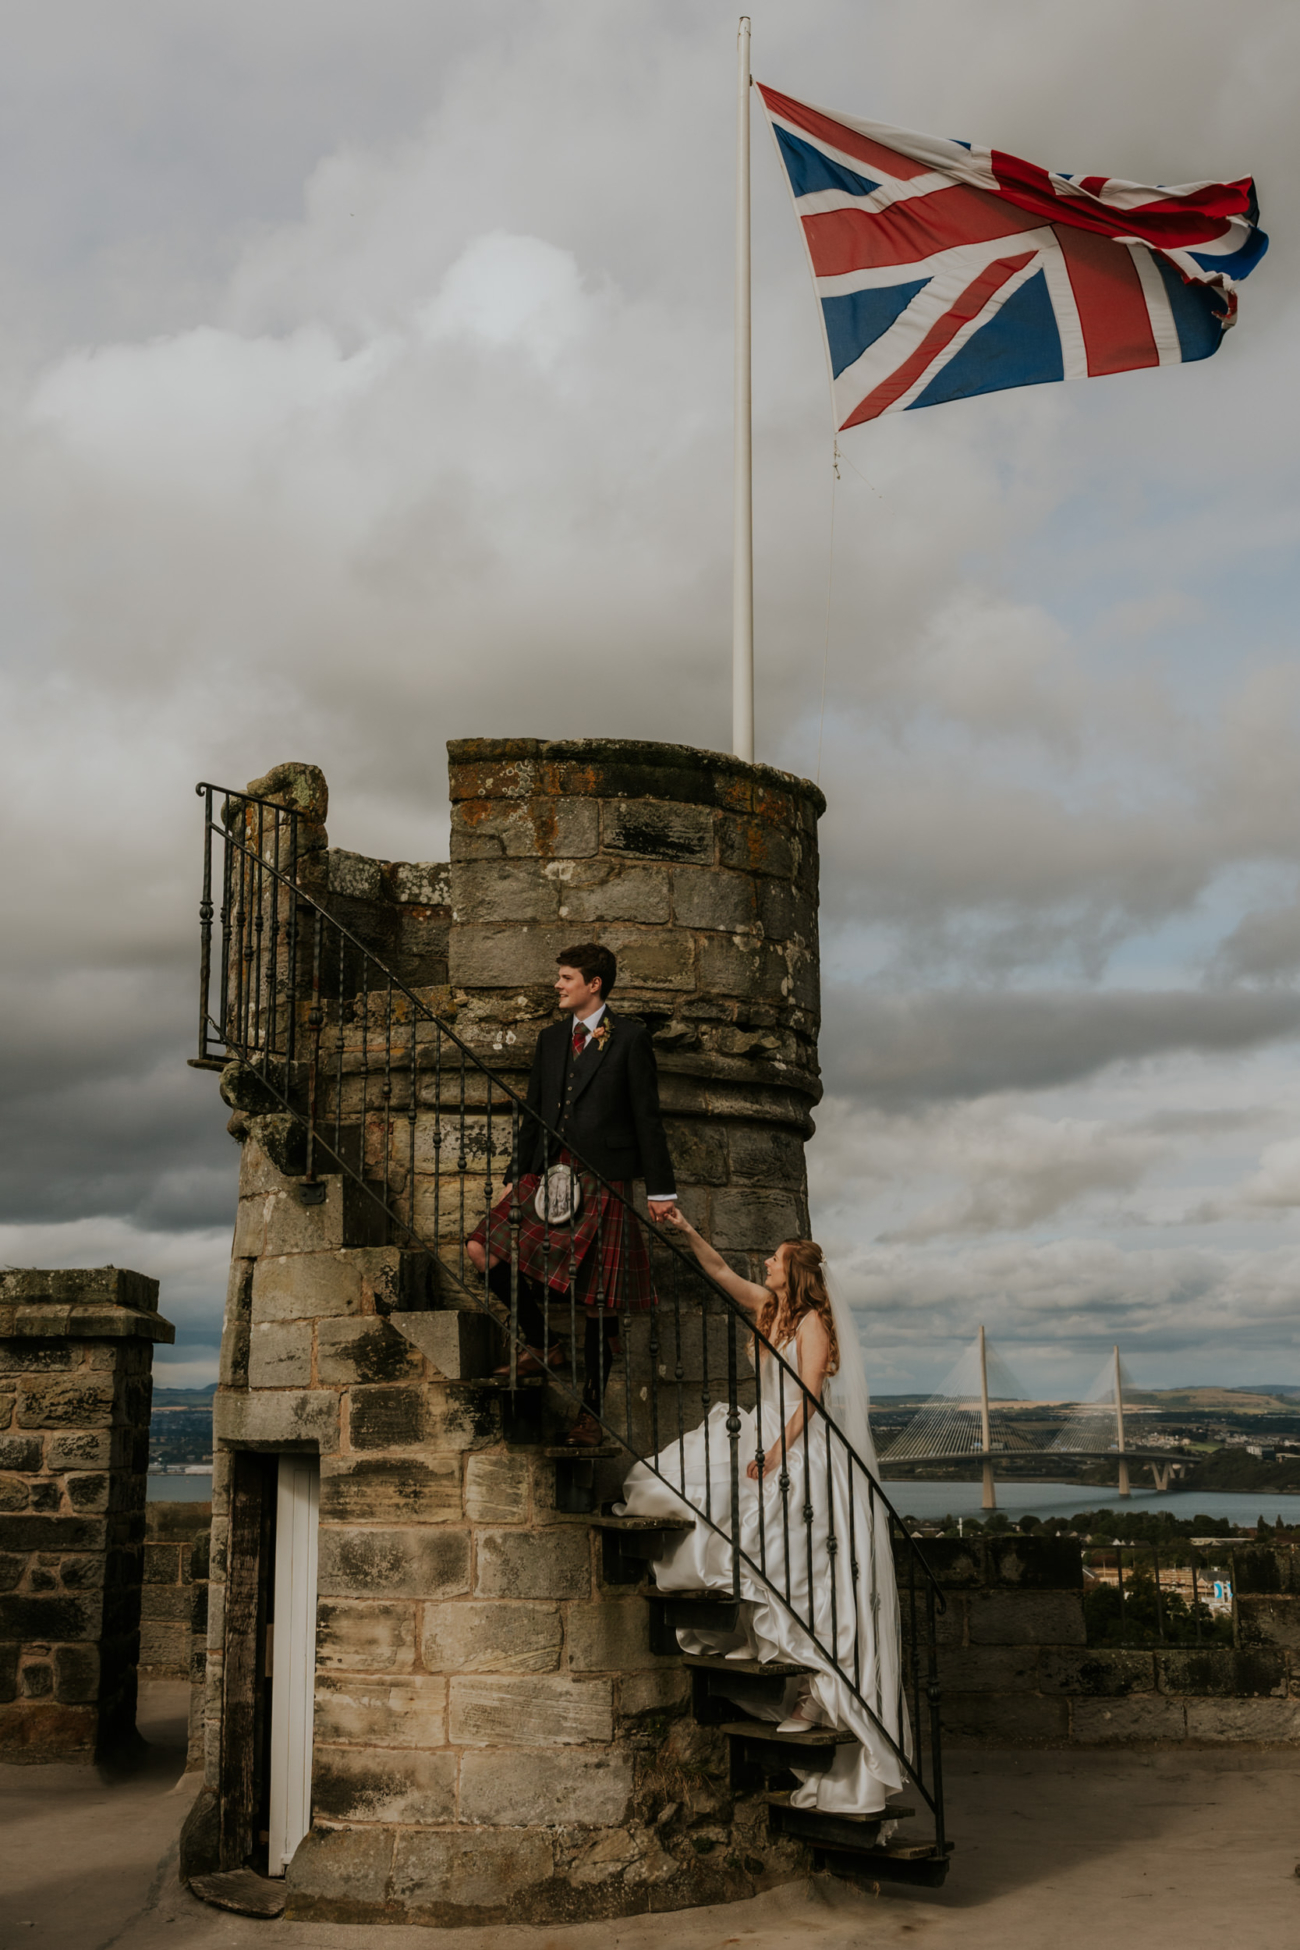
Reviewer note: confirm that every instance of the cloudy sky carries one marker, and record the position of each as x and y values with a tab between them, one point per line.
365	382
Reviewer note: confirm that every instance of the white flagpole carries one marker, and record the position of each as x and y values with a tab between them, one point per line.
742	570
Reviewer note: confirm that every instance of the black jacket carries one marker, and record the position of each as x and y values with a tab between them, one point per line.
605	1103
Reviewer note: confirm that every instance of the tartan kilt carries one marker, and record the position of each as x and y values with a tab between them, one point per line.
606	1236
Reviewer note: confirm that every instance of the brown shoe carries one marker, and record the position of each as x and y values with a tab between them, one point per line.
586	1432
530	1361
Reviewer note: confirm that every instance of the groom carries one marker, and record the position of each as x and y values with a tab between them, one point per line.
595	1083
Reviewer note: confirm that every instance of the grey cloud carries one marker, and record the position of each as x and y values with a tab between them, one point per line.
942	1044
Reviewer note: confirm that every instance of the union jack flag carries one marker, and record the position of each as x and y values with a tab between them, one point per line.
945	269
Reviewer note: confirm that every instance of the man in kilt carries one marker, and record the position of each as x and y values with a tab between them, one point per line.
594	1082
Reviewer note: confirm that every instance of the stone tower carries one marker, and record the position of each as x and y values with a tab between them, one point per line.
495	1739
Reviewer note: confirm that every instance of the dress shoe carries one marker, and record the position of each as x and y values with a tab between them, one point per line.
530	1362
586	1432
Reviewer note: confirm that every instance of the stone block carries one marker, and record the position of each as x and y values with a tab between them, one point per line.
48	1731
369	1350
165	1646
76	1674
1026	1618
1096	1674
545	1790
1147	1716
379	1489
699	1151
1266	1720
496	1487
758	846
375	1638
675	833
500	957
302	1286
383	1784
548	829
988	1669
458	1345
344	1870
279	1354
354	875
765	1154
660	1691
554	1563
743	965
652	958
611	1636
65	1401
232	1366
1221	1671
49	1617
749	1219
705	898
278	1418
421	883
413	1563
36	1532
250	1226
89	1492
499	1637
23	1452
1270	1621
786	912
530	1712
438	1877
498	890
1011	1719
603	891
410	1711
389	1417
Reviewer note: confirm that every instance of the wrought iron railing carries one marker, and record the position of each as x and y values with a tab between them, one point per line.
375	1087
1139	1595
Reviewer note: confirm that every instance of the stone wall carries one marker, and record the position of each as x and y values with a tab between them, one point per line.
76	1351
494	1738
1016	1668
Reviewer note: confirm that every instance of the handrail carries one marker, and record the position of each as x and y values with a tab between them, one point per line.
244	941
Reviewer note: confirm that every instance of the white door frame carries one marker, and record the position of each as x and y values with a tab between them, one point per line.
293	1661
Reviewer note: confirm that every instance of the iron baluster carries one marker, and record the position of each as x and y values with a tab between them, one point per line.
1196	1601
387	1093
437	1133
832	1541
292	1038
808	1513
259	924
365	1063
205	926
411	1111
273	969
760	1457
1119	1580
706	1400
227	947
679	1377
853	1571
1160	1617
514	1220
653	1344
338	1063
783	1480
462	1165
733	1444
932	1699
314	1024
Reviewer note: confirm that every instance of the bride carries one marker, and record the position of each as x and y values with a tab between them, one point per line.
805	1532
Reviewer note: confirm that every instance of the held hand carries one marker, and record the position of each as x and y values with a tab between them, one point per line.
663	1211
771	1464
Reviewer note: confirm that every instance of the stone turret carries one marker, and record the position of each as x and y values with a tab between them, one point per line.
495	1739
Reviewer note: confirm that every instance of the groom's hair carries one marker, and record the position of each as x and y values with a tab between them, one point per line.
591	960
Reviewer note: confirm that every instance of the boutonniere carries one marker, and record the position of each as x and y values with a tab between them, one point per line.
601	1035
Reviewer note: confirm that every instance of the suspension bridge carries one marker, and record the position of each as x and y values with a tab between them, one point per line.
966	1421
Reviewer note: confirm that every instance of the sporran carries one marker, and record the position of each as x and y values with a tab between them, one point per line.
558	1197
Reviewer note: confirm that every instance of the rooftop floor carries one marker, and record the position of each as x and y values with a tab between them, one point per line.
1054	1851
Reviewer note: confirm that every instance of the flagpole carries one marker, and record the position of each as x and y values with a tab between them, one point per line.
742	556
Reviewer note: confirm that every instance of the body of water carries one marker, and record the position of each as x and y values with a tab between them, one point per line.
193	1489
1017	1499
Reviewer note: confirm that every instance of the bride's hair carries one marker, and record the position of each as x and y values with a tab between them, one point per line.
805	1293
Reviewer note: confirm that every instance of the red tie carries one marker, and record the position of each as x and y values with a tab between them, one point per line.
580	1035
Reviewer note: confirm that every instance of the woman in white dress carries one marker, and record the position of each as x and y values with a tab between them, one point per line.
799	1542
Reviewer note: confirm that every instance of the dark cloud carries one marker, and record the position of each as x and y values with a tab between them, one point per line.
946	1044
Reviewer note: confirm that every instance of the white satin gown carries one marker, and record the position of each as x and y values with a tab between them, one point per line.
866	1771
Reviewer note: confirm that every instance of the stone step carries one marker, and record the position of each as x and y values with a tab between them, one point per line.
759	1750
748	1668
572	1452
627	1542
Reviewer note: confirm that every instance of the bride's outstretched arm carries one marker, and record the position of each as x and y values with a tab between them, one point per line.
715	1265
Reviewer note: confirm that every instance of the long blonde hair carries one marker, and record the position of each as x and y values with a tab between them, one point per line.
805	1293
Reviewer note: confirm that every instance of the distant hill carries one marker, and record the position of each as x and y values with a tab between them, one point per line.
184	1397
1206	1401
